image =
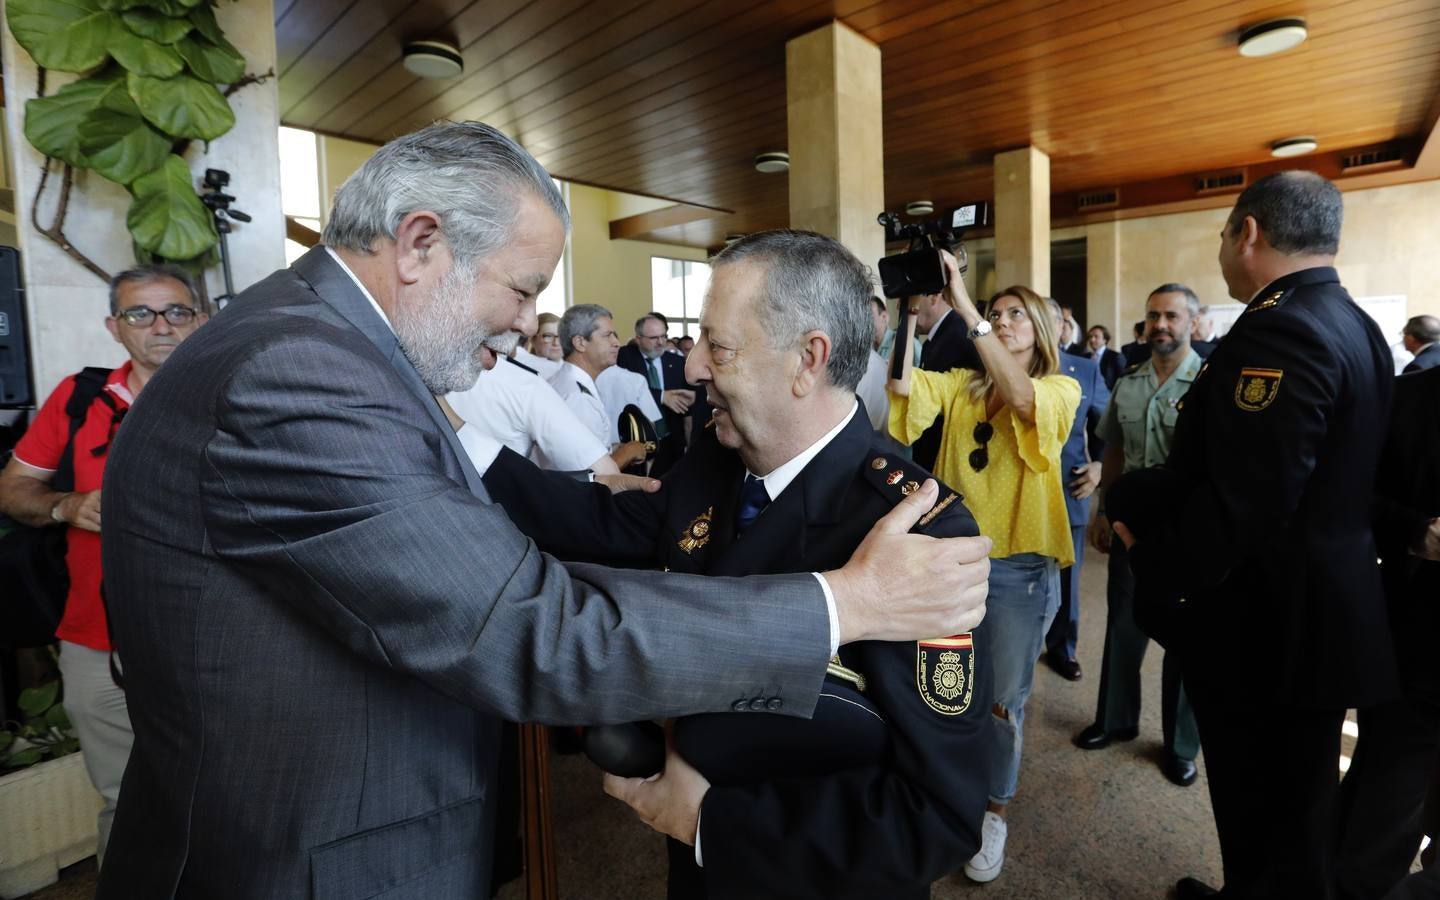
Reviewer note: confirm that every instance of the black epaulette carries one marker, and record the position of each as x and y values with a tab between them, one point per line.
515	362
897	478
1270	301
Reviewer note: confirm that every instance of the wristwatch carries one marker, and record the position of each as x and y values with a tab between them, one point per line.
981	329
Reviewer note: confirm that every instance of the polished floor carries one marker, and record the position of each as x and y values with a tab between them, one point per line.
1104	825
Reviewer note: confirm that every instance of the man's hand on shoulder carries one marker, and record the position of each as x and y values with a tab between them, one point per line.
899	586
619	484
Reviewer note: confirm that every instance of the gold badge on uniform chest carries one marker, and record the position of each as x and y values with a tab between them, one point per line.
697	533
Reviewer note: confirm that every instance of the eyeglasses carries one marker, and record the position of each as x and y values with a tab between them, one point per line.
143	316
1016	313
980	456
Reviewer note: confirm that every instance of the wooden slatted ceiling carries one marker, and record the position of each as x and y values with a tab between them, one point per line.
673	99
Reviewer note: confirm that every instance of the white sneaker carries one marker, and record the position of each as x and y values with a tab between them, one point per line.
985	865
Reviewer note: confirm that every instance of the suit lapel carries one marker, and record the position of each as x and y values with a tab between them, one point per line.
333	285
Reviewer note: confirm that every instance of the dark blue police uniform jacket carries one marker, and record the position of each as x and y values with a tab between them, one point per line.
884	790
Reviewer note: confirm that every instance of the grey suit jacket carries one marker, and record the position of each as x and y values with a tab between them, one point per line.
322	617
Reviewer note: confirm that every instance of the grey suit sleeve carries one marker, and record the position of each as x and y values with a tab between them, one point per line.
326	485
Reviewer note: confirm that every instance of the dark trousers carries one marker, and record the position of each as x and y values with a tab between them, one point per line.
1274	783
1060	639
1117	707
1383	795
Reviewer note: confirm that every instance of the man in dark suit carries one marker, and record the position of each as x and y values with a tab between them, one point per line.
323	616
1256	545
884	791
1111	363
1080	459
665	373
1398	751
1422	338
1138	350
946	347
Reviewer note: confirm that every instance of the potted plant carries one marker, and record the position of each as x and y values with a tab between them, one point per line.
47	805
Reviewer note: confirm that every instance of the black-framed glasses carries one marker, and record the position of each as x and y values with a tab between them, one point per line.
143	316
980	456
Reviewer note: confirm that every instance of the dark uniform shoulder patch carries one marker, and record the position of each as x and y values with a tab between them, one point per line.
945	673
1257	388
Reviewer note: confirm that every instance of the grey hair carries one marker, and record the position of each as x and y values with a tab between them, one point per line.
1423	328
1054	305
812	283
640	322
469	174
1192	302
148	274
579	321
1297	211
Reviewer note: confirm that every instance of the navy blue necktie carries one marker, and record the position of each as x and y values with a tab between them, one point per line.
753	498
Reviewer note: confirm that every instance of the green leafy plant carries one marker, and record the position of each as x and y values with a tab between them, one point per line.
151	72
45	733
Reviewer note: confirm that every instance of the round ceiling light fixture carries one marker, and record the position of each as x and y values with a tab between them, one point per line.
919	208
1296	146
774	161
433	59
1274	36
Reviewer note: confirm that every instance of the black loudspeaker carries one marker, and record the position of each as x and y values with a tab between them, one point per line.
17	389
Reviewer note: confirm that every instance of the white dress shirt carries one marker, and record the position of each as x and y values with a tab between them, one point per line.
579	392
520	410
543	365
620	388
871	390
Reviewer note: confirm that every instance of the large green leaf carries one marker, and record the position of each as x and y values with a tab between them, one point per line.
6	739
182	106
34	701
25	758
121	146
55	717
69	35
165	7
204	18
148	23
142	55
166	217
52	124
221	64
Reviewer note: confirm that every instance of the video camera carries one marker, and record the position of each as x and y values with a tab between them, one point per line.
920	270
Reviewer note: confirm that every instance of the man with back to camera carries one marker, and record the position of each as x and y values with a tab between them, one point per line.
1138	429
665	373
325	617
871	389
1275	604
152	309
884	791
1421	338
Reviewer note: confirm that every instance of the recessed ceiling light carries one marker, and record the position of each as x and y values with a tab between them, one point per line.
774	161
1296	146
1274	36
919	208
433	59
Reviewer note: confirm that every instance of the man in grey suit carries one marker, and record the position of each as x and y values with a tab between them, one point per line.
323	615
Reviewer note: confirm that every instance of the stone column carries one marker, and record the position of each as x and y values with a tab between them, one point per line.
837	177
65	303
1022	219
1102	281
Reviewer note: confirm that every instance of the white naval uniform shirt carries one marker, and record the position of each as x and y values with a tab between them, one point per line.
520	410
581	395
546	367
618	389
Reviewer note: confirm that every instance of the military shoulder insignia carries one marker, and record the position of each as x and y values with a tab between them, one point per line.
1268	302
697	533
945	673
1257	388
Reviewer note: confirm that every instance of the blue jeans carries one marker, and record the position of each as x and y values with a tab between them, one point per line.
1024	595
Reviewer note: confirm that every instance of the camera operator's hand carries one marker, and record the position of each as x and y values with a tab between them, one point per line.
955	293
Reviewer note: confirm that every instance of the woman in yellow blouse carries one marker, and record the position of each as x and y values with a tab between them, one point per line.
1000	448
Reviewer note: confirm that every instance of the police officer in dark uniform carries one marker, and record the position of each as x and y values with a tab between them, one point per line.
1254	547
884	789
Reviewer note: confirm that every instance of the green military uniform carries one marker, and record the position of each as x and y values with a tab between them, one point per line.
1141	418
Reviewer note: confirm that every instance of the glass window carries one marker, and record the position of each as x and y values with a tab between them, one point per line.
556	296
677	287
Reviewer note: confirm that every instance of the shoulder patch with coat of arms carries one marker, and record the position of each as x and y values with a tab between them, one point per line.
945	673
1257	388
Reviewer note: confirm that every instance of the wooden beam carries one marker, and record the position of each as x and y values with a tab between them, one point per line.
1428	160
665	217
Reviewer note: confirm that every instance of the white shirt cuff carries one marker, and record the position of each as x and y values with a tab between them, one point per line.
699	859
834	615
481	448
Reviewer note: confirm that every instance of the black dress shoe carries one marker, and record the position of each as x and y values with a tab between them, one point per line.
1095	738
1179	770
1193	889
1068	669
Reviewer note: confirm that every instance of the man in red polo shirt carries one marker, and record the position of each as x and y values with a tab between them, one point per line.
152	309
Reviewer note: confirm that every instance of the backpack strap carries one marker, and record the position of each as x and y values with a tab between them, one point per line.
89	387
